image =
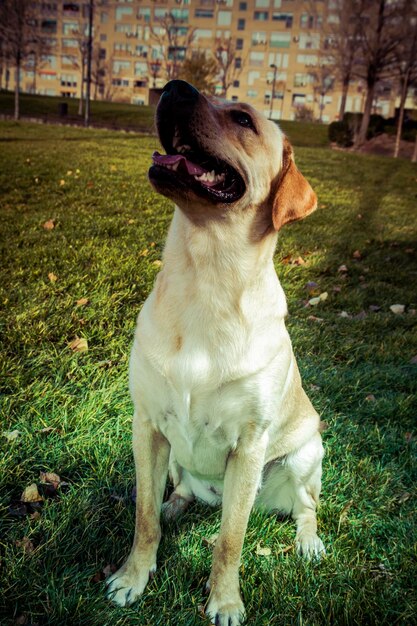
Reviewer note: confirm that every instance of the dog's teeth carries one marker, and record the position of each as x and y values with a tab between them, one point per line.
184	148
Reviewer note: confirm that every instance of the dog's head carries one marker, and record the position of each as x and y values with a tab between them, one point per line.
225	157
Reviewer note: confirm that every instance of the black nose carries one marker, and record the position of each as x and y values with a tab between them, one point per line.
180	91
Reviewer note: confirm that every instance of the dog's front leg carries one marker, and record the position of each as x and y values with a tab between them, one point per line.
151	452
242	479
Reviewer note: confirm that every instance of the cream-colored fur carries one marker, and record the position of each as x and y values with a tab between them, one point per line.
213	376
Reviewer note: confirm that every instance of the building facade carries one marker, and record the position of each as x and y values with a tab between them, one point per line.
271	49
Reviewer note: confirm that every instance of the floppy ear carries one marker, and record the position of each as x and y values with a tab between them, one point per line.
294	197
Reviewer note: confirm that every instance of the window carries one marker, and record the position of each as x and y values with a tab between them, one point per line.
224	18
122	12
103	37
70	43
253	75
177	53
284	18
180	15
258	38
302	80
102	53
243	6
67	60
141	51
122	47
280	40
203	33
236	83
262	4
307	59
209	13
241	24
120	82
238	63
124	28
68	80
49	26
239	44
256	59
104	17
121	66
235	98
303	20
160	14
261	16
141	68
279	59
144	14
251	93
309	42
69	28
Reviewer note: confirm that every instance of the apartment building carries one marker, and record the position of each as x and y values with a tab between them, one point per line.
273	47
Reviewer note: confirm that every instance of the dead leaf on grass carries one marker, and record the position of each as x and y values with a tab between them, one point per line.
11	435
31	494
82	302
357	254
343	514
107	571
52	277
370	397
50	478
397	308
26	545
49	224
342	269
79	344
263	551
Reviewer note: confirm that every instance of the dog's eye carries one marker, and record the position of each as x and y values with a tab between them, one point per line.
243	119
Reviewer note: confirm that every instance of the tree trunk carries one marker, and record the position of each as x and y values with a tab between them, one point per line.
345	89
414	157
361	137
17	90
80	104
401	115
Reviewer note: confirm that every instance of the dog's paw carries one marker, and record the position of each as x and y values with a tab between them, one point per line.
226	611
174	507
127	584
310	547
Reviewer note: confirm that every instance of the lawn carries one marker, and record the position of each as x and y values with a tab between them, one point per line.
82	236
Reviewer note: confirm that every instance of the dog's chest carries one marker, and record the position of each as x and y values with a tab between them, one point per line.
203	427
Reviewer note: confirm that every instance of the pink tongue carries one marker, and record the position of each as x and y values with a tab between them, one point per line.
171	159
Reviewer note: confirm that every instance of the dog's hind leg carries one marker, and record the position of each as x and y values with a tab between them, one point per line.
293	486
182	495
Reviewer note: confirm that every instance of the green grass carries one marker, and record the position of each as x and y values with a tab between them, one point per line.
107	114
109	230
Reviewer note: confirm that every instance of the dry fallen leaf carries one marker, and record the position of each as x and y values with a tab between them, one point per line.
157	263
49	224
82	302
342	269
397	308
11	435
62	182
50	478
26	545
52	277
316	300
31	494
314	318
79	344
357	254
260	551
344	314
370	397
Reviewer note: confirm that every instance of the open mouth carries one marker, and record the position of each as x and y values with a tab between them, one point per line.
188	167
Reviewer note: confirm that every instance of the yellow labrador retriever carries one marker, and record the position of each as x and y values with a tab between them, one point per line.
217	392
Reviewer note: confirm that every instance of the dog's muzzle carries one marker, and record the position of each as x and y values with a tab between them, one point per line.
188	166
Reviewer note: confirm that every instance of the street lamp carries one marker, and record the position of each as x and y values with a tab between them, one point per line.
274	67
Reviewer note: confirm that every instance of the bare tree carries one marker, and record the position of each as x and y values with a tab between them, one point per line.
340	33
201	70
229	62
406	65
380	30
174	40
19	33
323	82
